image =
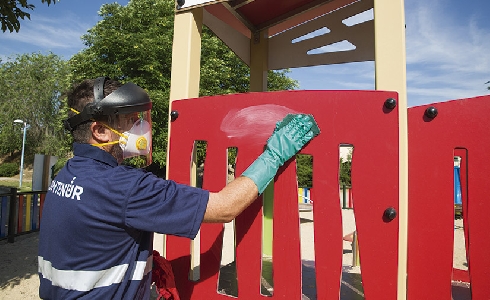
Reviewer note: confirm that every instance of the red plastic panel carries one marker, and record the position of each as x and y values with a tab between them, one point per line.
432	142
245	121
20	218
41	205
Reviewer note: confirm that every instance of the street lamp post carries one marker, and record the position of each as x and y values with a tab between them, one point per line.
23	146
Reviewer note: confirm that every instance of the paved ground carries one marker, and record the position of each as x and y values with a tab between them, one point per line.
19	279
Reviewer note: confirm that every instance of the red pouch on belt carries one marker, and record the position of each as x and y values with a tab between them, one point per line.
163	277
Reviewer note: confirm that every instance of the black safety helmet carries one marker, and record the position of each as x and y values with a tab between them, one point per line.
127	99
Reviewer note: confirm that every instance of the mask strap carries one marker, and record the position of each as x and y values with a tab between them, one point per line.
108	143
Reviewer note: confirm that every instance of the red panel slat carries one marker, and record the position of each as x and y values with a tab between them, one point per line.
212	234
248	235
286	256
327	220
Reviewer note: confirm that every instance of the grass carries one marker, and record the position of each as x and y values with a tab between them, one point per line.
13	182
26	185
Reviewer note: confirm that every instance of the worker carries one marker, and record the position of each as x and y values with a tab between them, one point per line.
99	215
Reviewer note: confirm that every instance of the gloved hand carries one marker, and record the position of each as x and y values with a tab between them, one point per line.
289	136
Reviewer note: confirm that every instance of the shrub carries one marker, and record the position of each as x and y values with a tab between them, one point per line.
60	163
9	169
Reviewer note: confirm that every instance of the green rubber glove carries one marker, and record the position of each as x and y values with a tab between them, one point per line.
290	135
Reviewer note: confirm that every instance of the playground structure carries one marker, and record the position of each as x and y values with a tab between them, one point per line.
401	169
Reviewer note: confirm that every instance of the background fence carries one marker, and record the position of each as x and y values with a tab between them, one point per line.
20	213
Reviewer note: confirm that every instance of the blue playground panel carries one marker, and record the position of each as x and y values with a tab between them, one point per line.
3	216
457	186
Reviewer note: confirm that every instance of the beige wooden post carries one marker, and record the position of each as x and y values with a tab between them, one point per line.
184	84
186	55
390	69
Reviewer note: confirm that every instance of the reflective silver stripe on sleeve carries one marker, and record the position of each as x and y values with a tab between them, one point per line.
88	280
142	268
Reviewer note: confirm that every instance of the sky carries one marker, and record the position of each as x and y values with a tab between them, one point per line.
447	47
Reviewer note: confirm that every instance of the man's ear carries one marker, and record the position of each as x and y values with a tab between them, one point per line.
100	133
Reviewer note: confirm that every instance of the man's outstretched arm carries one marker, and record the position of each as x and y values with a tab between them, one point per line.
228	203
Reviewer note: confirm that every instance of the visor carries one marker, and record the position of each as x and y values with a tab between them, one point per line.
127	99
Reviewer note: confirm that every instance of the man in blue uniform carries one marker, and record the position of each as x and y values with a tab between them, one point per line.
99	216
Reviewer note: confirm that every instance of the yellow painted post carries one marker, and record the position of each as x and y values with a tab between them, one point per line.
259	52
267	227
355	251
28	212
390	67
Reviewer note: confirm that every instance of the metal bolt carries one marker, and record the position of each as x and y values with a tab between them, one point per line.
390	214
180	3
97	110
174	115
390	103
256	37
431	112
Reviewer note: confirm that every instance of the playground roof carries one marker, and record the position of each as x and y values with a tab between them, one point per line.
276	15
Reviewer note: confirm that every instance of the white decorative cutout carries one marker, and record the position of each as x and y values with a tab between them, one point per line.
350	38
318	32
360	18
335	47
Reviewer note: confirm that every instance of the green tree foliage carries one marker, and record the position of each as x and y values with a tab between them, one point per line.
9	169
345	173
13	10
304	168
345	170
134	43
30	90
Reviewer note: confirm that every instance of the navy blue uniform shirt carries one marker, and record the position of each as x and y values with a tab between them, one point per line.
96	234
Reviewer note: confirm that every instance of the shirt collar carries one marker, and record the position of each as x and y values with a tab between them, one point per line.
89	151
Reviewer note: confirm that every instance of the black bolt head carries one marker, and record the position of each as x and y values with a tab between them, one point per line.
431	112
390	214
97	110
390	103
174	115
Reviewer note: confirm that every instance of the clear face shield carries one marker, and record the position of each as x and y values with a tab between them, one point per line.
136	140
